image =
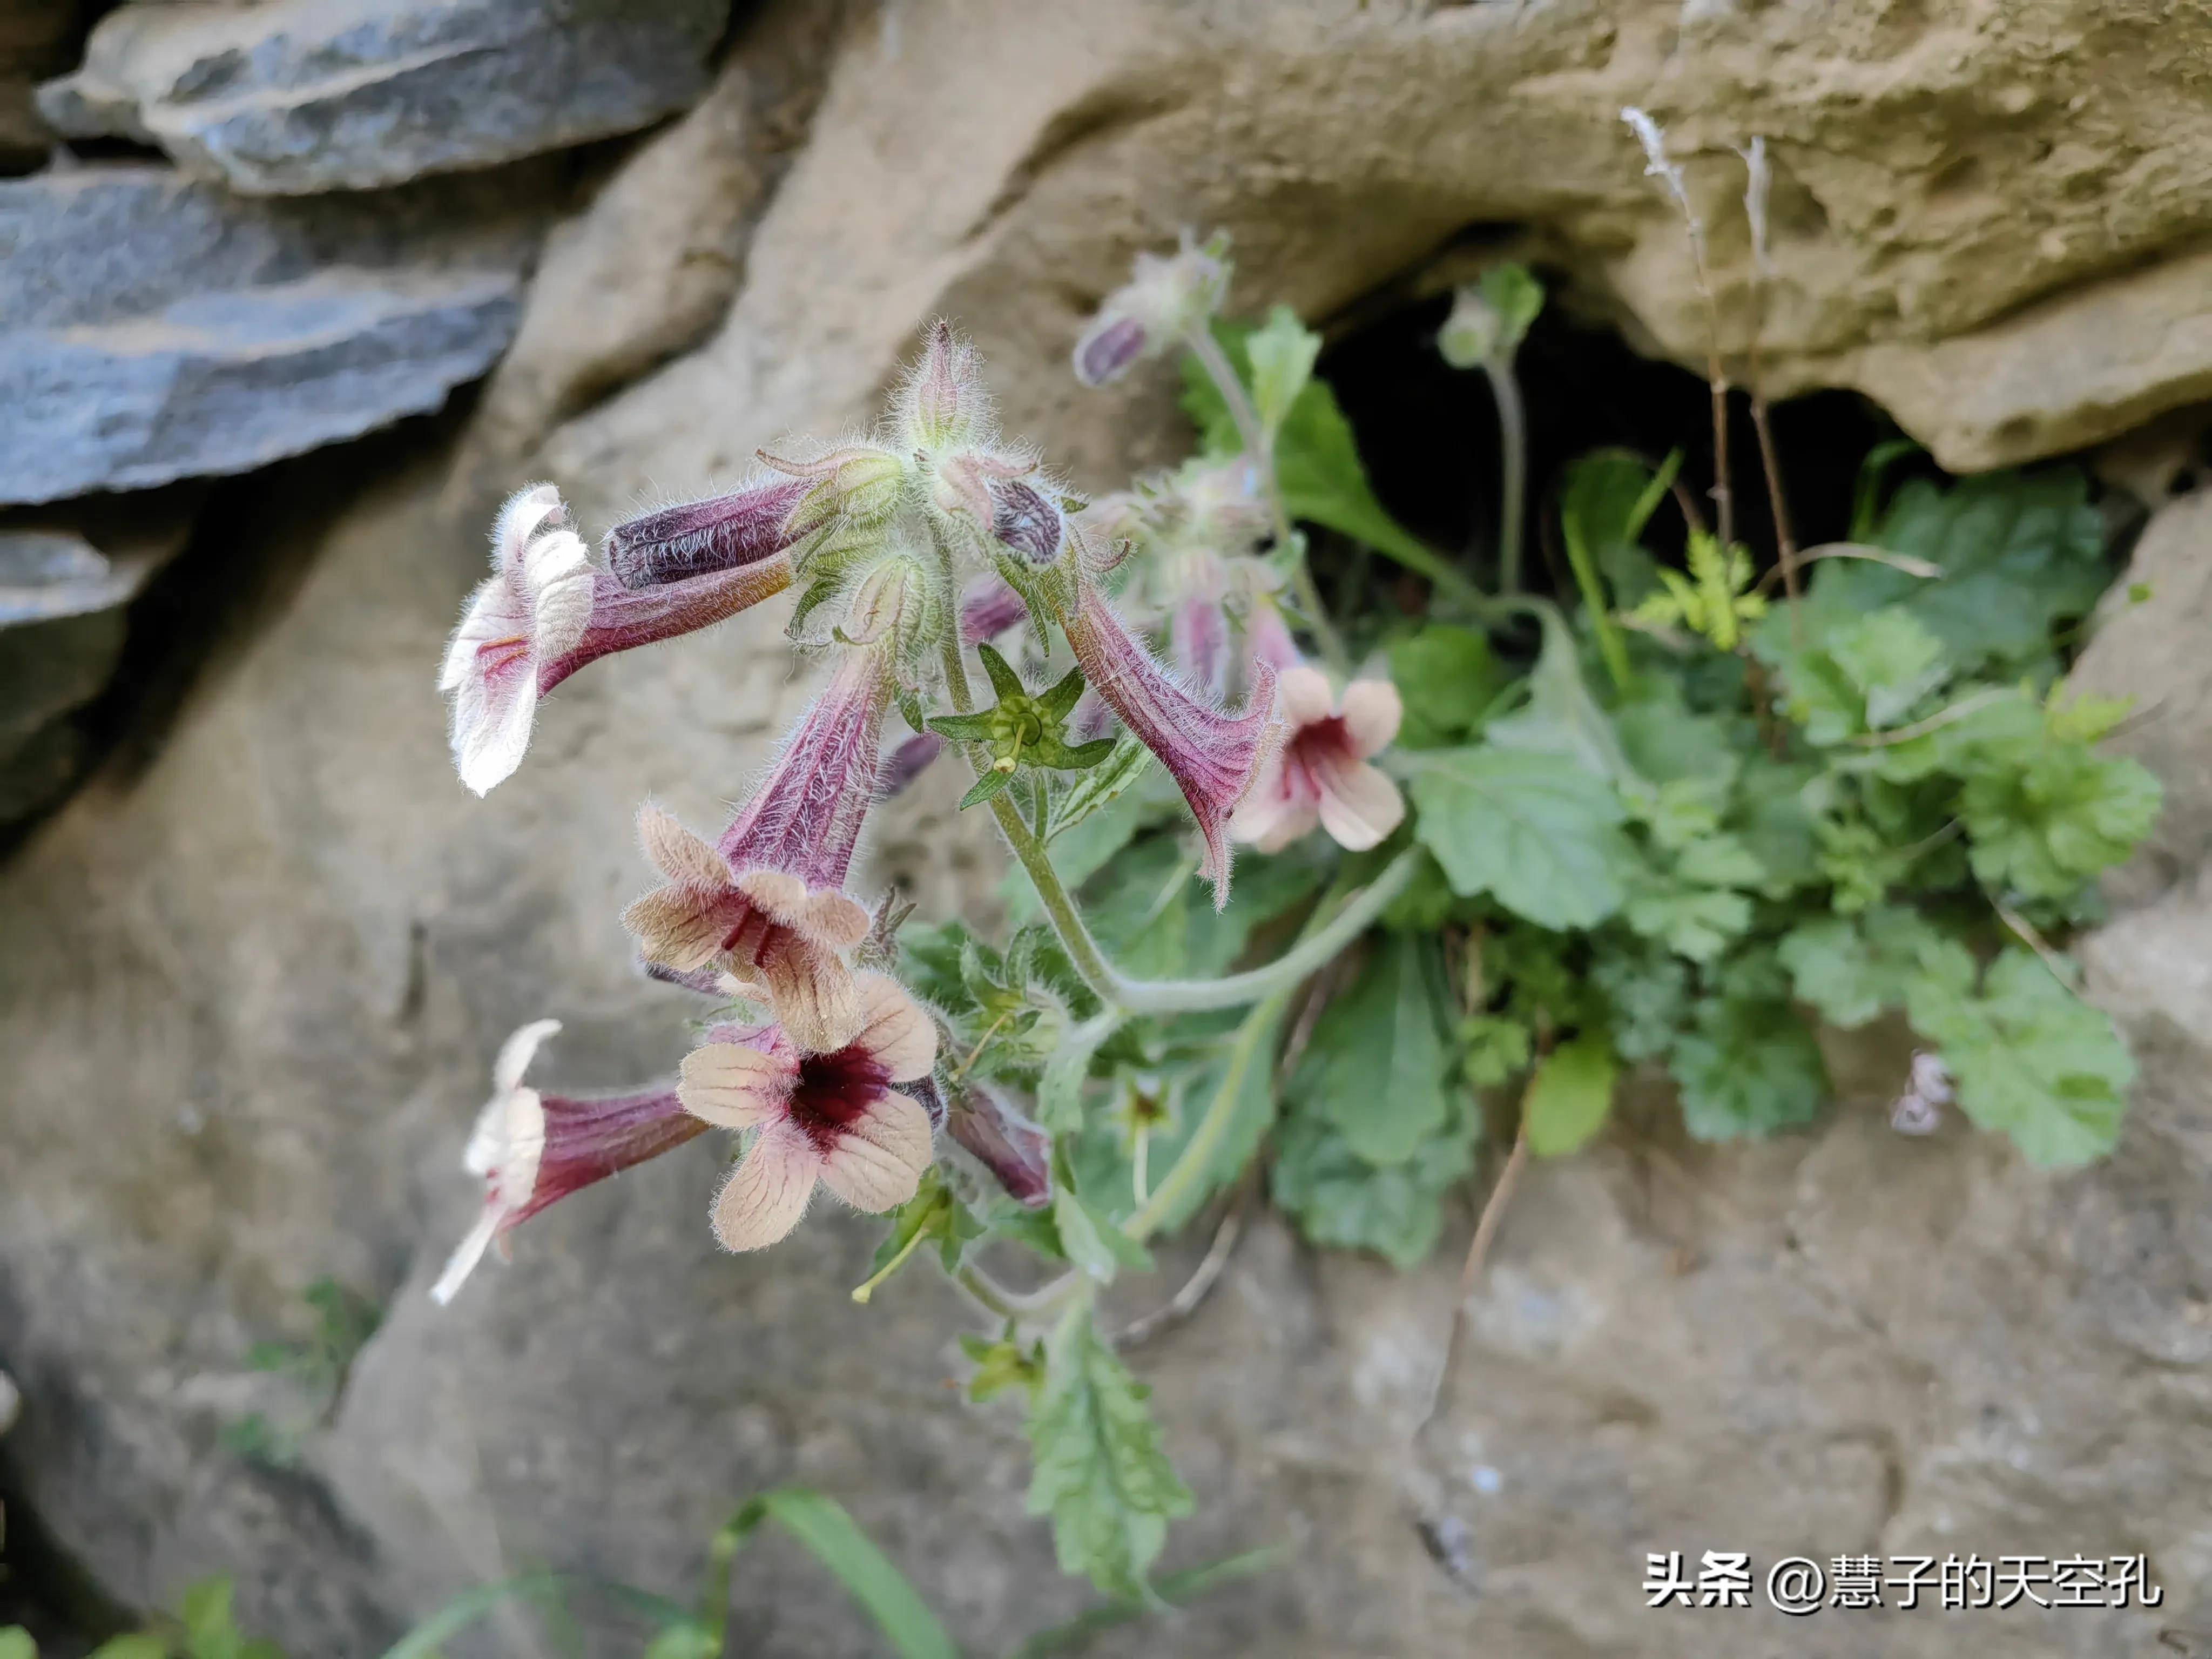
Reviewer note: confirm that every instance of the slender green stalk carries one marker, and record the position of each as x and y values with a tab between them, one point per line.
1513	470
1196	1158
1262	449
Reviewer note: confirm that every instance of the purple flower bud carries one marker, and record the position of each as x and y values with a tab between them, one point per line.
1028	521
699	538
1107	348
943	402
906	763
1013	1149
989	610
1213	756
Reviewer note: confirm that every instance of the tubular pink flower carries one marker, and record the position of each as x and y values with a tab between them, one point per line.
532	1149
699	539
1320	775
624	618
829	1118
1213	756
1198	643
768	901
906	763
536	605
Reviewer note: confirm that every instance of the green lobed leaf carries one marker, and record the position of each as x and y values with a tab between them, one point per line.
1099	1470
2046	828
2028	1058
1538	832
1647	989
1850	969
1341	1199
1561	717
1570	1096
1374	1063
1746	1067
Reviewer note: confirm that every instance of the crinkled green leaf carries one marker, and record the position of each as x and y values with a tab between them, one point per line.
1570	1096
1693	921
1374	1063
1339	1198
1538	832
2029	1058
2045	829
1099	787
1493	1048
1852	968
1648	991
1746	1067
1100	1472
1561	717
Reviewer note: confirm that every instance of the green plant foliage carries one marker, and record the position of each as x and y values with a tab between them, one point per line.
1537	833
1569	1096
1376	1066
1340	1198
1100	1472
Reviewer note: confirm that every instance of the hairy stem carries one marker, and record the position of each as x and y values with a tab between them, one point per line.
1513	470
1262	450
1192	1163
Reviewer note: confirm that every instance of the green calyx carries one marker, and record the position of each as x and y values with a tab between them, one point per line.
1022	729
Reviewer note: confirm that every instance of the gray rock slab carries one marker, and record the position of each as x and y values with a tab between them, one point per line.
307	95
153	328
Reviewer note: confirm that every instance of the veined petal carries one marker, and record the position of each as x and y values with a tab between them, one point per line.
517	1052
811	989
521	516
558	570
1372	710
895	1032
737	1085
830	915
1302	695
877	1163
1358	804
687	860
494	707
676	928
768	1192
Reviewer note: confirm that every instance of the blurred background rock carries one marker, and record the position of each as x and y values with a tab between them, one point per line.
291	293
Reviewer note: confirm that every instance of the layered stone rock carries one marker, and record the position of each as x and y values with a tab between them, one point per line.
153	328
305	95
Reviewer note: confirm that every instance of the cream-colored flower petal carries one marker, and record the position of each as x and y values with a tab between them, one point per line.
766	1194
678	854
894	1028
827	916
1372	710
812	993
494	705
558	571
900	1125
675	928
466	1255
517	1052
1359	805
735	1085
523	515
1302	695
869	1177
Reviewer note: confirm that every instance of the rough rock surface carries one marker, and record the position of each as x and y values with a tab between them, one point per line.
254	987
154	329
304	95
64	581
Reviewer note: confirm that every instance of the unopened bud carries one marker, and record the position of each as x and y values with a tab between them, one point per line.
1164	299
1470	333
943	401
962	489
856	487
701	537
1012	1148
1028	521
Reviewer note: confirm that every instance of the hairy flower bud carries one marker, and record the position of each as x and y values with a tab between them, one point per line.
853	489
1164	299
899	606
1028	521
1017	1152
699	538
943	404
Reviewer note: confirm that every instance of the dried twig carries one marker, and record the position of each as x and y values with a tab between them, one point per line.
1184	1302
